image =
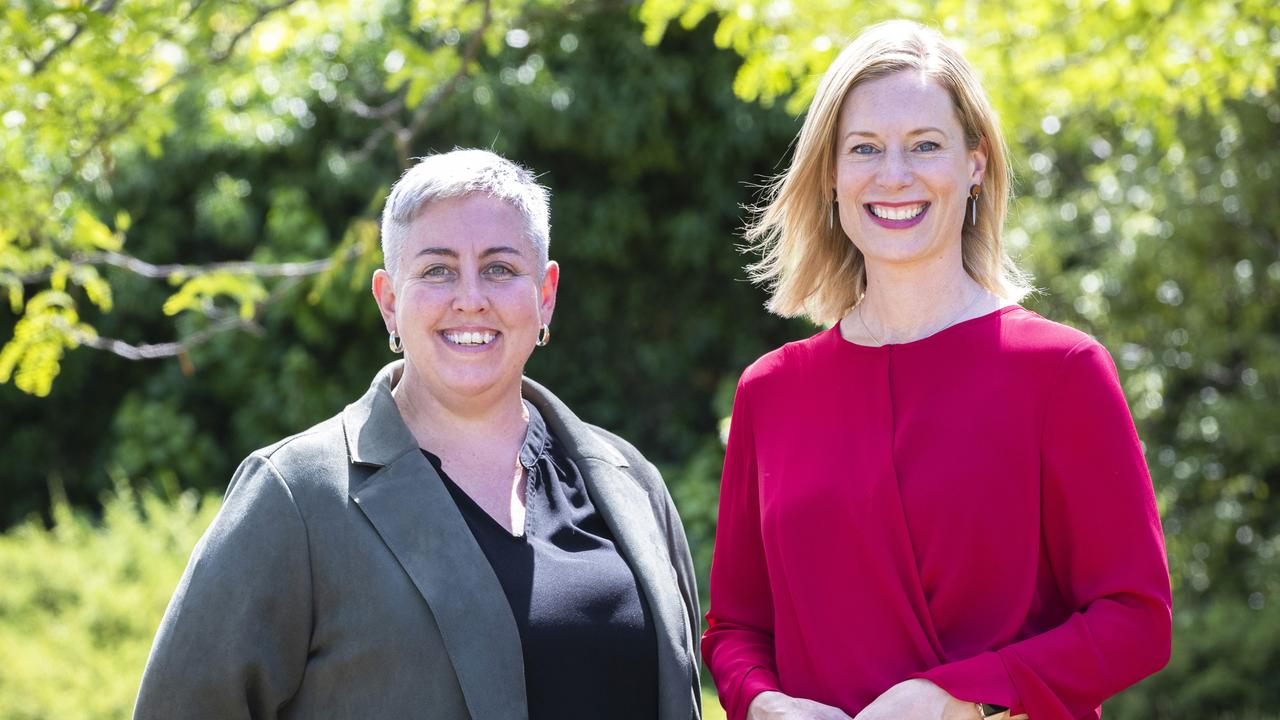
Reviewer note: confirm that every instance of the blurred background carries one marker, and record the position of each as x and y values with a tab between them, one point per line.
189	193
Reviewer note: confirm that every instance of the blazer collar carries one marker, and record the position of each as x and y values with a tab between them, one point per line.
376	433
578	439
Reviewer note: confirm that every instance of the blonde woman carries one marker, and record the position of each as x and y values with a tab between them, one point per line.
938	507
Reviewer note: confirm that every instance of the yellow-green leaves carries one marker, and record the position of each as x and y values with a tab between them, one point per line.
202	292
360	242
50	326
87	232
421	69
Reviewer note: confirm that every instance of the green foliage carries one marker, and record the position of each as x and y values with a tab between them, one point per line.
1224	658
91	89
203	290
711	709
1087	60
81	601
40	337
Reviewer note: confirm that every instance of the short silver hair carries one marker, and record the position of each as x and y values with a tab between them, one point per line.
457	173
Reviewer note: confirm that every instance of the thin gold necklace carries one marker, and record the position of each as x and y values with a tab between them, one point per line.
862	319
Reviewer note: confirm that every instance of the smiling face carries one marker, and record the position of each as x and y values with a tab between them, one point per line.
468	298
903	170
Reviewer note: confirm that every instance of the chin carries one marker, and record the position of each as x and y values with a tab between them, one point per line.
908	251
472	385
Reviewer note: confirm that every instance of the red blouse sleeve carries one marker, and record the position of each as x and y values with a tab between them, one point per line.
1105	550
738	645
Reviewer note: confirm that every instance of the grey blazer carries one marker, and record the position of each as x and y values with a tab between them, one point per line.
339	580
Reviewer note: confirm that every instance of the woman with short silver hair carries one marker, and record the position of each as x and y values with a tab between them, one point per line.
937	508
456	543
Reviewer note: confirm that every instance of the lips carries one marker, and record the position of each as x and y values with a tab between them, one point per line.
896	215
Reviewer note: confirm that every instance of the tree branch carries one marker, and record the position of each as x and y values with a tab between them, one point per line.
244	267
153	351
381	112
130	113
263	12
40	64
404	136
160	272
179	348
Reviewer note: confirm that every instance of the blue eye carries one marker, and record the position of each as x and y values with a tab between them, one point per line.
437	272
499	270
863	149
928	146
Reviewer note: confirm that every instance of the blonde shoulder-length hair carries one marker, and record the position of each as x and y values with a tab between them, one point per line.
810	267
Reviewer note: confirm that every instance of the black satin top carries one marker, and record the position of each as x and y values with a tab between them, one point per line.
590	648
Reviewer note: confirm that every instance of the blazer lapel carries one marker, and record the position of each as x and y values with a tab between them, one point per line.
416	517
627	511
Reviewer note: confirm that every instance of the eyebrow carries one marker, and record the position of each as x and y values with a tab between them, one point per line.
917	131
448	252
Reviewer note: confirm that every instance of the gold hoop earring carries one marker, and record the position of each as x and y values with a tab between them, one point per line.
544	335
394	342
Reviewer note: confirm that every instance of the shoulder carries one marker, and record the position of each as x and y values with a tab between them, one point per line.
270	499
1070	364
320	444
1046	348
790	363
637	466
309	465
1027	331
584	440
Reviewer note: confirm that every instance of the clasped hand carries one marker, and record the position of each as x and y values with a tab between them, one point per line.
909	700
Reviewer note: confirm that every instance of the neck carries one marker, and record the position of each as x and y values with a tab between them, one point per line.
443	419
905	304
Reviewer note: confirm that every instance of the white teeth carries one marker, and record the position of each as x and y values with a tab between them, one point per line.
904	212
470	338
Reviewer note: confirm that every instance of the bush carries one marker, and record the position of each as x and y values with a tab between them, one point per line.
80	602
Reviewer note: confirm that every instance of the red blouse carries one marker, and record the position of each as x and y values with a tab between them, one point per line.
972	508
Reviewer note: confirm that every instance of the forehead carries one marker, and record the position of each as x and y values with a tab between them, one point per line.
902	101
469	223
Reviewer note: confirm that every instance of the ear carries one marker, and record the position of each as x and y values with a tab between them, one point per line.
547	293
384	293
979	157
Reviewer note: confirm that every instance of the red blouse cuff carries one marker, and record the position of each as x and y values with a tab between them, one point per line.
979	679
758	679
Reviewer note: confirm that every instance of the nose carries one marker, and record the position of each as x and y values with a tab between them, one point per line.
470	296
895	170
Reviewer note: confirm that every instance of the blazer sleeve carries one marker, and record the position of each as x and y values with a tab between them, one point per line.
738	645
1105	549
234	640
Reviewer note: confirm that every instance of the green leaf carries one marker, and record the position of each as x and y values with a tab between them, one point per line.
202	292
89	232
